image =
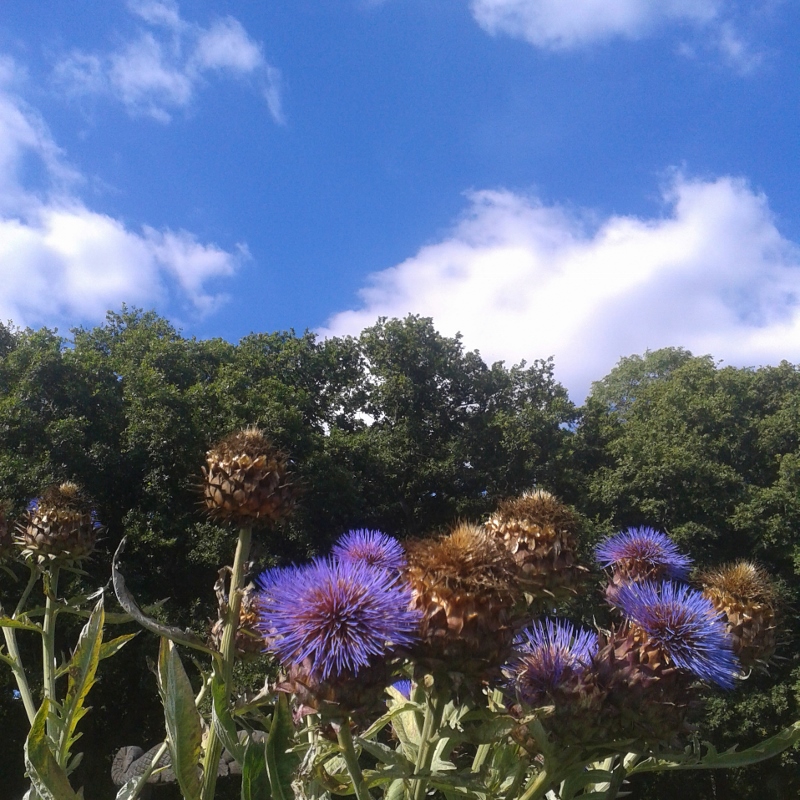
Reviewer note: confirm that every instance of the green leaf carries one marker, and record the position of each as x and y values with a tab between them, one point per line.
281	763
222	719
255	783
8	622
127	601
730	759
184	732
113	647
48	778
387	755
81	669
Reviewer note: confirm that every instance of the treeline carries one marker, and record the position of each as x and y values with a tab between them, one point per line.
399	429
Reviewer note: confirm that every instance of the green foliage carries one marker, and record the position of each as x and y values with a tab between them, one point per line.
404	430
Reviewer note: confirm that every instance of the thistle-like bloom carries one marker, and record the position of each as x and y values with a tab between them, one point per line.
642	554
685	626
340	615
549	654
371	547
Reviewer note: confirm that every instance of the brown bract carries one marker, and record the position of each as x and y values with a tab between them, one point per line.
539	531
744	593
338	698
465	585
645	696
249	643
246	480
61	527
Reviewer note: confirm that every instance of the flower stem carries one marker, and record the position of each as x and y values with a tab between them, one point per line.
17	667
49	648
351	760
434	709
19	674
228	652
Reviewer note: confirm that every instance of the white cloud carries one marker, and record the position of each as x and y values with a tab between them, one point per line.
569	24
162	68
61	261
522	280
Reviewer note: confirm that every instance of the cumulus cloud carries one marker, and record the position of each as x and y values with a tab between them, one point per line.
169	59
559	25
523	280
62	261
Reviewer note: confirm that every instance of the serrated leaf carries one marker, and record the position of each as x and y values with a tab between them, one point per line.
281	763
255	782
184	732
19	624
730	759
222	719
48	779
81	670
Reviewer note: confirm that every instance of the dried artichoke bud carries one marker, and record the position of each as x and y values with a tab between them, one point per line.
249	642
466	587
59	526
246	480
540	533
743	592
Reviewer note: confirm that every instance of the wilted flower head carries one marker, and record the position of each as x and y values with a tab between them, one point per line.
643	554
371	547
684	625
549	653
338	615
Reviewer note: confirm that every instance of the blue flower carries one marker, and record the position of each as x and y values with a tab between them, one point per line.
340	615
643	553
548	654
404	687
372	547
685	626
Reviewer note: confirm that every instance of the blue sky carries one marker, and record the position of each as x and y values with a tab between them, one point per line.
582	180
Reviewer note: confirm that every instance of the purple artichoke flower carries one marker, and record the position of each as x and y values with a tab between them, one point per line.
340	615
404	687
642	553
548	655
371	547
685	626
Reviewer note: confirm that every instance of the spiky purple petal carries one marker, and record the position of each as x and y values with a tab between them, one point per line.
373	547
684	624
645	548
547	654
341	615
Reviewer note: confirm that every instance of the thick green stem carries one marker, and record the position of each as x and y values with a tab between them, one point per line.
351	760
228	653
434	709
49	648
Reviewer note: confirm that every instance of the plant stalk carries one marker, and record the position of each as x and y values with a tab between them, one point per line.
345	738
228	654
19	674
434	710
49	648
